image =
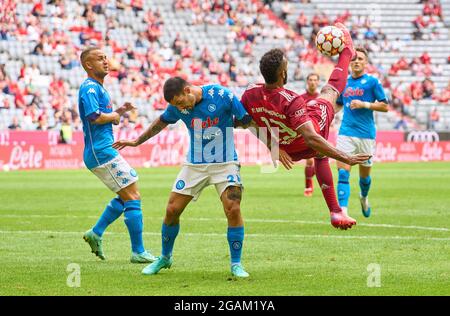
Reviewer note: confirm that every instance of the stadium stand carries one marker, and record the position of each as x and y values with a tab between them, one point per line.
212	41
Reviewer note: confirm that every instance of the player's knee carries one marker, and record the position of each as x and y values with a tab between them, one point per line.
344	175
233	210
172	211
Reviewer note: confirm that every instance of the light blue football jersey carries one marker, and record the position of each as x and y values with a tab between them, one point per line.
214	141
360	122
98	139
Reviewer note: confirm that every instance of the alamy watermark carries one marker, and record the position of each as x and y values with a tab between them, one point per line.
74	277
374	277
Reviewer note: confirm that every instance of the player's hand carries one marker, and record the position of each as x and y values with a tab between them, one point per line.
121	144
285	159
358	159
356	104
128	106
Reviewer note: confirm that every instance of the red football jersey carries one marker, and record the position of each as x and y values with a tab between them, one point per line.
286	110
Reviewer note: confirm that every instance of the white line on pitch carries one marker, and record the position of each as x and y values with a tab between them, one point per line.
31	232
251	220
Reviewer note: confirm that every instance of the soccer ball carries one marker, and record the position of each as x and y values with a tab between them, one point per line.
330	40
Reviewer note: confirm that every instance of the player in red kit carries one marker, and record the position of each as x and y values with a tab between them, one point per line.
303	127
312	83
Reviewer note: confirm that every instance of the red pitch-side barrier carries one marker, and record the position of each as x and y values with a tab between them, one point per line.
41	150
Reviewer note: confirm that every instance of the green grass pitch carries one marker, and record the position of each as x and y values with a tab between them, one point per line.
290	248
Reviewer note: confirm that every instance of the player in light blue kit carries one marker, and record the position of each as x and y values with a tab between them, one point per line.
362	96
208	112
97	115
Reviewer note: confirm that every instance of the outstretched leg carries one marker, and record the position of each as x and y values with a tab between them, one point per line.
325	179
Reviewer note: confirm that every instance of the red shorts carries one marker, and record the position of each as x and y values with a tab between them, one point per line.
322	114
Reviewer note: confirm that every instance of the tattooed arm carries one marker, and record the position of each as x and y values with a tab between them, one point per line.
156	127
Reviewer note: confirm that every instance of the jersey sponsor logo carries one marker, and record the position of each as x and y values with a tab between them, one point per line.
91	90
350	92
211	107
180	185
287	96
109	106
209	122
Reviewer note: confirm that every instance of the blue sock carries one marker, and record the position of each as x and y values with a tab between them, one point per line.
235	237
168	235
364	184
343	187
133	220
112	212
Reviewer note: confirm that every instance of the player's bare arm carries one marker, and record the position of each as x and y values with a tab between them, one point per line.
319	144
283	156
156	127
374	106
114	117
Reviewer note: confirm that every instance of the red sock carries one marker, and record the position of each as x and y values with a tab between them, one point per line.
325	178
338	78
309	174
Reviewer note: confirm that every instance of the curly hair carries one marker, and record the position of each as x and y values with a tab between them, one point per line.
270	63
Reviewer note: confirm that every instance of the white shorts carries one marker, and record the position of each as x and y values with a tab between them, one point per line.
192	179
116	174
355	145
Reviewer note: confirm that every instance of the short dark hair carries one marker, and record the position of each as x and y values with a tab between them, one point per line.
270	63
313	74
173	87
85	53
362	50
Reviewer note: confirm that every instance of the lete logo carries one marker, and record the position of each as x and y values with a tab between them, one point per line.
22	158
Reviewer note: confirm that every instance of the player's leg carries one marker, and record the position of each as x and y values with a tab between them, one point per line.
347	145
365	180
94	236
134	221
338	78
325	179
231	201
190	182
309	174
169	232
343	187
364	184
116	175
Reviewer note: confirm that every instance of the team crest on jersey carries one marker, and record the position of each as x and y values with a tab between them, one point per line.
133	173
211	107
